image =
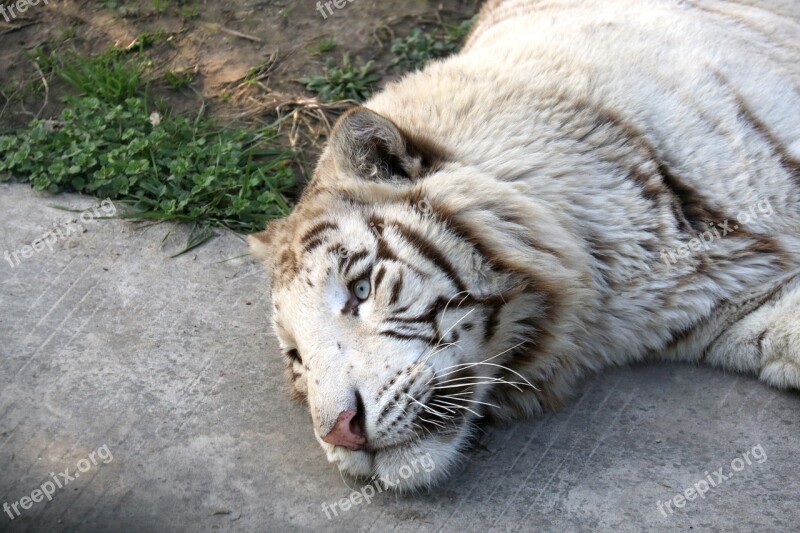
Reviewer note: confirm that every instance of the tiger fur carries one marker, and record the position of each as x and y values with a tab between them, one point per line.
588	183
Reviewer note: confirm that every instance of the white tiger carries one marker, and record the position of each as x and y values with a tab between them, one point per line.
589	183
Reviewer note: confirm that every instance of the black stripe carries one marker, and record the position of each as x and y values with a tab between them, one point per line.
412	329
346	263
788	161
462	232
316	229
313	244
438	305
402	336
378	278
693	206
692	211
385	253
419	319
492	322
396	288
431	253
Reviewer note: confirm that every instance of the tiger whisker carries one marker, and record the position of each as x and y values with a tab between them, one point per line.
485	362
433	402
439	403
514	384
433	422
475	401
433	352
444	312
436	349
465	293
439	347
427	408
520	376
422	428
466	382
481	362
458	322
403	409
454	394
467	378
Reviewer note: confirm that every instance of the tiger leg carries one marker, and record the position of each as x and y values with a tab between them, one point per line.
765	342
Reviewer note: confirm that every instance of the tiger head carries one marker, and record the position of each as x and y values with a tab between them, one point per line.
409	296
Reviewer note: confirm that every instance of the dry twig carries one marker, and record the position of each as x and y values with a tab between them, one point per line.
46	89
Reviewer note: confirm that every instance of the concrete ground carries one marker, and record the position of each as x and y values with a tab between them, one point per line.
163	372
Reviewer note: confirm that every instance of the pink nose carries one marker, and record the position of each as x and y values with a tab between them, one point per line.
346	432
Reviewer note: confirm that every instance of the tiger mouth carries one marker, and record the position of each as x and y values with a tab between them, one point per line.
440	412
454	428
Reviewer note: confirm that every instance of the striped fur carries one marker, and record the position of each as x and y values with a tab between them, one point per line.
589	183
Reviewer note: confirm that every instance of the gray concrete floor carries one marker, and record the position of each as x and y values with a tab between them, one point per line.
169	363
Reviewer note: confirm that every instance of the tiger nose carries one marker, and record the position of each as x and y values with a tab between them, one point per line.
348	430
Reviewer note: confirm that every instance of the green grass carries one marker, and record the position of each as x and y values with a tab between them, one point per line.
349	81
345	81
160	6
110	77
416	49
190	11
323	46
178	80
68	33
113	142
188	169
259	72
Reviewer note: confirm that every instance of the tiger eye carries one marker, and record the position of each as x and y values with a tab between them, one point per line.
361	289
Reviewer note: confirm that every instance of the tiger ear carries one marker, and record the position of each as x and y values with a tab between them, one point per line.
264	245
371	146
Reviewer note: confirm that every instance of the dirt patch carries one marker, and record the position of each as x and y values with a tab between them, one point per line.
243	57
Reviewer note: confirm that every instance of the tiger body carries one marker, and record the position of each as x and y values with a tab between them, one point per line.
587	184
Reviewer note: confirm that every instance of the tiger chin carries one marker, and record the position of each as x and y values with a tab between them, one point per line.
585	185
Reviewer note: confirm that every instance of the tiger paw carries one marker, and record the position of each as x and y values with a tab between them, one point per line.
780	348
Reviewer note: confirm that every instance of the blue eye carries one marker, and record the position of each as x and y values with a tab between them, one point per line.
361	289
